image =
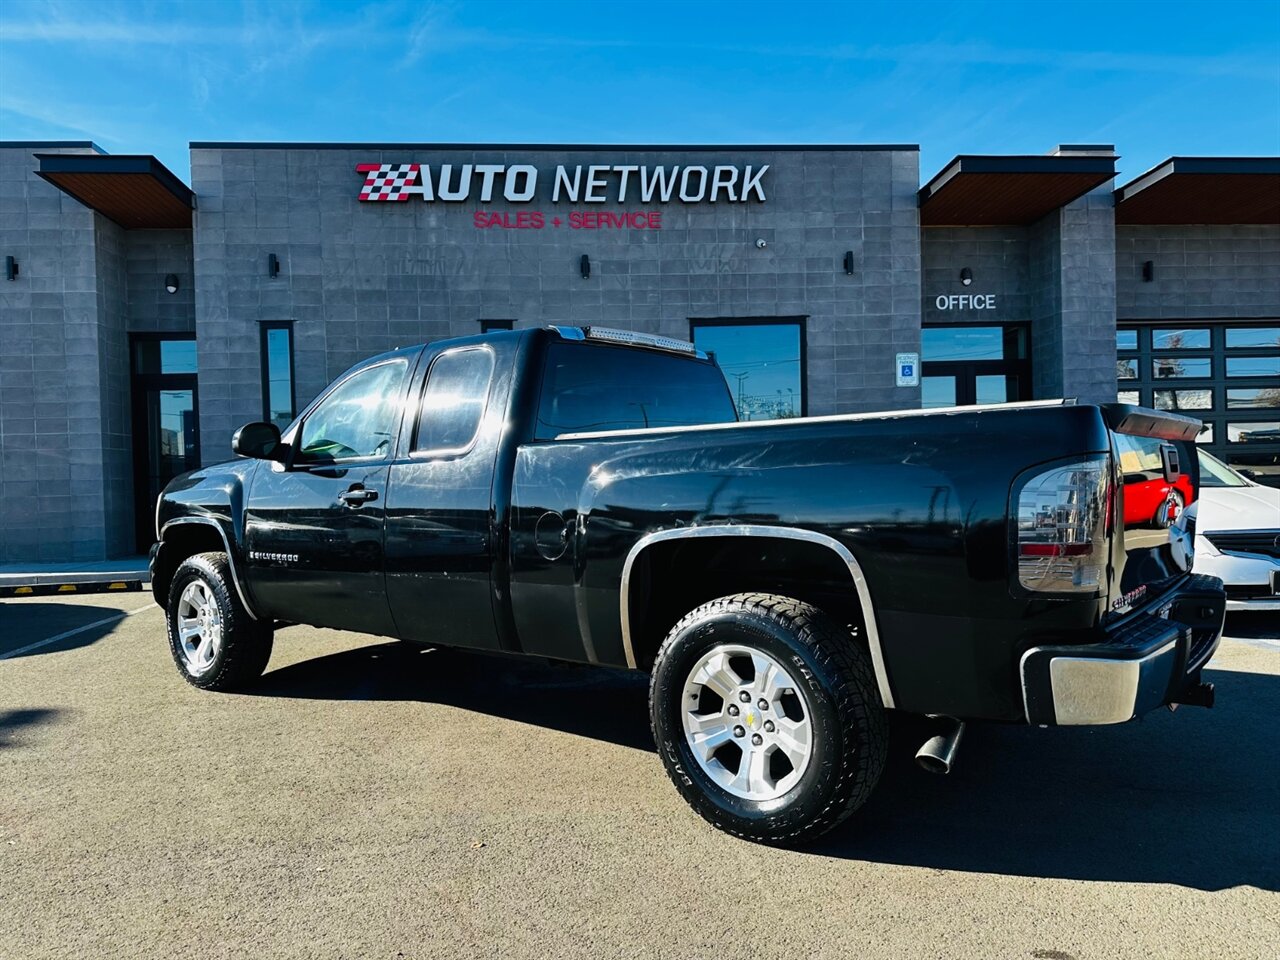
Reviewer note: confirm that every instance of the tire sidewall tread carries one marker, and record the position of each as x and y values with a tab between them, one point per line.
850	724
246	643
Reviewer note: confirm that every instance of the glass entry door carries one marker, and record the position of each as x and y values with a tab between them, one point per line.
964	365
166	434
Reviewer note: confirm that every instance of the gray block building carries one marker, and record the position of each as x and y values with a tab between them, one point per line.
142	320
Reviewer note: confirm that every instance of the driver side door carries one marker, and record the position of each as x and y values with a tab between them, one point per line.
315	524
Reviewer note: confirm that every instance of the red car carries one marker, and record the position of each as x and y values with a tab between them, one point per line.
1145	489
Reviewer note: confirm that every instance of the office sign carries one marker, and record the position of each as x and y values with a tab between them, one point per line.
966	301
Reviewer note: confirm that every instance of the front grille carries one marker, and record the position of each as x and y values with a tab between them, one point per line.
1265	542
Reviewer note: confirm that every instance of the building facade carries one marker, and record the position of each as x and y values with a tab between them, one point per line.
143	319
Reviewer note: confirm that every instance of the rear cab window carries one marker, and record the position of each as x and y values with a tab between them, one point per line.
589	387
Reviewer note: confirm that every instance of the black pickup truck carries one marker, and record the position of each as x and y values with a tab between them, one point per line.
583	494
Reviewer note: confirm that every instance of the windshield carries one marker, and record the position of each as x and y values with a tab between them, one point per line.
1215	473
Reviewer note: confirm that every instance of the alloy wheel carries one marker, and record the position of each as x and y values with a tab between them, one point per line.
747	722
199	627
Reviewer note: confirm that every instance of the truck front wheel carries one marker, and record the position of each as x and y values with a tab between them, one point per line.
767	716
214	641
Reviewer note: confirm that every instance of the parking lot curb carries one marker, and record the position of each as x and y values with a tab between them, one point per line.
44	587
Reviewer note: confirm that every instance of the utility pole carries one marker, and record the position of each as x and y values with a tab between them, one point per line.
741	377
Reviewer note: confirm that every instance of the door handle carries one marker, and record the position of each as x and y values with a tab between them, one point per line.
357	495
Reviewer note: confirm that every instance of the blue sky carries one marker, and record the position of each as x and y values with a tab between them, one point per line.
1156	79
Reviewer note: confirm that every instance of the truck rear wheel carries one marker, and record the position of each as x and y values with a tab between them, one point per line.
214	641
767	716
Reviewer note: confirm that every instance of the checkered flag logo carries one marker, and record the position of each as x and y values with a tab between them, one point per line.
390	181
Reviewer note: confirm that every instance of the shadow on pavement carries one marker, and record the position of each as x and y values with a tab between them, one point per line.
23	622
13	720
604	704
1187	798
1253	624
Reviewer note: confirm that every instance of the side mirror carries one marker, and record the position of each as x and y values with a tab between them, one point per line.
1246	473
259	441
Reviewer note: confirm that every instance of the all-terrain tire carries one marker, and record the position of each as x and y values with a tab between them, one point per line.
850	729
243	645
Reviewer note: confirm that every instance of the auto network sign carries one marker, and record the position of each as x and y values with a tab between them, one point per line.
594	183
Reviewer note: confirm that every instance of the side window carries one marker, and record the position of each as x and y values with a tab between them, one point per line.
591	387
454	400
358	419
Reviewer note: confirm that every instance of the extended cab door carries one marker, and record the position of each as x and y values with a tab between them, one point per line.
442	528
314	524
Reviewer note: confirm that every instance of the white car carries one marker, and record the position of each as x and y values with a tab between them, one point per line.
1237	535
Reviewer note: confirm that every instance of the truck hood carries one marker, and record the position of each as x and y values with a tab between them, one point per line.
1238	508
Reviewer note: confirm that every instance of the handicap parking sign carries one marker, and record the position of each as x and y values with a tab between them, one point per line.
908	373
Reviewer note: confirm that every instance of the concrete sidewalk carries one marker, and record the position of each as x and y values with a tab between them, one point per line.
23	579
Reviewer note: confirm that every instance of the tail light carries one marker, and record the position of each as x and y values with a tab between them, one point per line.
1062	518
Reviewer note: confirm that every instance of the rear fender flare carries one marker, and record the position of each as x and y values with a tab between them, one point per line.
757	530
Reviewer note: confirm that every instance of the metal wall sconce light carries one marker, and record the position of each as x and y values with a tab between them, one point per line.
848	262
966	276
1148	271
273	266
10	268
171	283
585	266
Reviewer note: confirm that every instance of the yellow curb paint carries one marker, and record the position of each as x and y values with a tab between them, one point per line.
67	588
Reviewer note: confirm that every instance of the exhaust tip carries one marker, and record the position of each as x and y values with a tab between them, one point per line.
932	764
939	752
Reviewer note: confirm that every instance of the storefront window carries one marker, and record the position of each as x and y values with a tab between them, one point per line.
1184	399
1232	365
166	431
964	365
762	362
1253	366
1165	368
1129	396
937	392
1180	339
1252	337
1252	399
973	343
151	356
277	373
1261	431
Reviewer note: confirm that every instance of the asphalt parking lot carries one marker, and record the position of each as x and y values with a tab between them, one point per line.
372	801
